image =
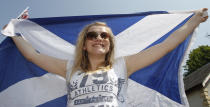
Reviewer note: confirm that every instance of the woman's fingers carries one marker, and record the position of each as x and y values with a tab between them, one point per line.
205	9
204	18
202	14
4	26
205	13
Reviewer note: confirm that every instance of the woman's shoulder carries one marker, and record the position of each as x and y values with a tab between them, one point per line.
119	61
69	67
120	66
69	64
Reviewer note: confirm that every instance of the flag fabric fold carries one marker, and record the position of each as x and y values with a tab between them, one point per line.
158	85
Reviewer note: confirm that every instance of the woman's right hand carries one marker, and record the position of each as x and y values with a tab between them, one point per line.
4	26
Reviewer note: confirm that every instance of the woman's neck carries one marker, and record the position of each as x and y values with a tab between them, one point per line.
96	62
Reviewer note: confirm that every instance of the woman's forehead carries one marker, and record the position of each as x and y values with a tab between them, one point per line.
98	29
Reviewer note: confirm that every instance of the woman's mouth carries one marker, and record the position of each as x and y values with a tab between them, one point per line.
98	45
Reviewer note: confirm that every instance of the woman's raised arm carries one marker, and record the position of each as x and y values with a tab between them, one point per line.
152	54
48	63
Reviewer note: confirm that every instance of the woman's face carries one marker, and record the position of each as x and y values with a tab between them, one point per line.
97	40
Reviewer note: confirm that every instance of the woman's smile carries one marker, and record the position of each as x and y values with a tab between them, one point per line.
98	45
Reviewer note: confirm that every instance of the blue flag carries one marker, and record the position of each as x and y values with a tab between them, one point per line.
24	84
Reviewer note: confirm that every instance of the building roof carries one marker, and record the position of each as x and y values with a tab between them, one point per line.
197	77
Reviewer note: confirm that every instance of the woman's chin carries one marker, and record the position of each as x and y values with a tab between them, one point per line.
99	52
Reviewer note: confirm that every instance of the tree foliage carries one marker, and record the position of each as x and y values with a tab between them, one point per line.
197	58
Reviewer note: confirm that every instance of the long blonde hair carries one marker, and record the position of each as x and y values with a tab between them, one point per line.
81	61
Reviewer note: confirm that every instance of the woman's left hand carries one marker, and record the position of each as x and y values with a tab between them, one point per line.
201	14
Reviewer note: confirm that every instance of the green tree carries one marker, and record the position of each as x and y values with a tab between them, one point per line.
197	58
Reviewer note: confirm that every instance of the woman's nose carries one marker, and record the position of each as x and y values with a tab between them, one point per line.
99	37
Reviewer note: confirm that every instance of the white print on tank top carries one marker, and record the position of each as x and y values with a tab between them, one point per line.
97	89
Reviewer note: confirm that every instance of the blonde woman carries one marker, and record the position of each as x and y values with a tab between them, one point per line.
94	77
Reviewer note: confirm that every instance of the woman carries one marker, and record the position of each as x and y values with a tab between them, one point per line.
94	78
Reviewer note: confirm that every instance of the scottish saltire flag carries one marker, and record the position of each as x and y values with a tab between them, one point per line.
23	84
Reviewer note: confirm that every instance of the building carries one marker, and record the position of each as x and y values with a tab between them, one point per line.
197	87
